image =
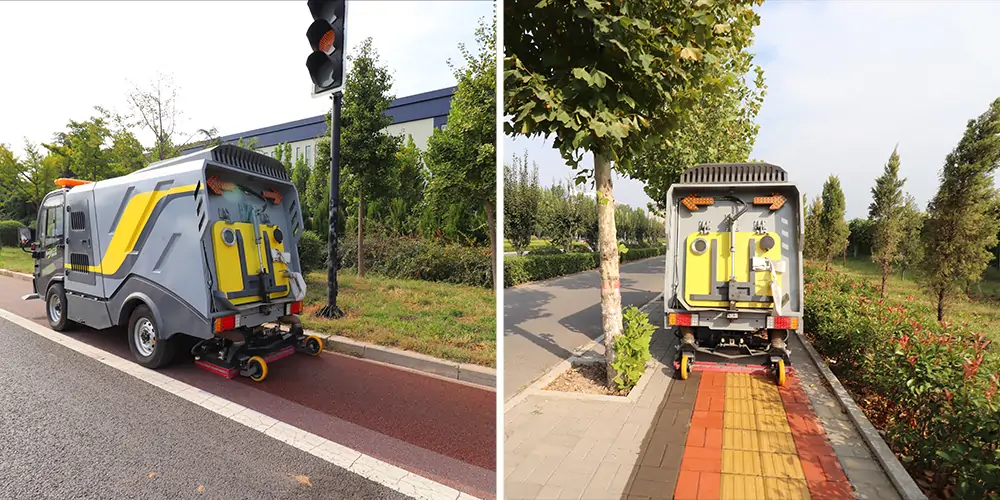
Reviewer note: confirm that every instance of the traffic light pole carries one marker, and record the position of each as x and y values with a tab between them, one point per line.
331	310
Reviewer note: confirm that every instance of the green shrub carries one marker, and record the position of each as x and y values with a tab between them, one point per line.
8	232
523	269
416	258
632	348
545	250
312	251
932	387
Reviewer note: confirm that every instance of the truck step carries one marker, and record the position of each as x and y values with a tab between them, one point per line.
31	296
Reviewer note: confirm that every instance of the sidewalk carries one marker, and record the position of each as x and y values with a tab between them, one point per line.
715	435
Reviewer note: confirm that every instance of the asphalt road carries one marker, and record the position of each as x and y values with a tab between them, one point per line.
435	428
545	322
76	428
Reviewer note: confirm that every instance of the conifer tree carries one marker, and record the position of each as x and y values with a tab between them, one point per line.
832	224
886	212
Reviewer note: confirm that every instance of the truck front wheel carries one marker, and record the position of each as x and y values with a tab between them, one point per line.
150	350
55	308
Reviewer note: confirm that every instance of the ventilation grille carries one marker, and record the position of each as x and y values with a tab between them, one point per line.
79	262
77	222
250	161
734	173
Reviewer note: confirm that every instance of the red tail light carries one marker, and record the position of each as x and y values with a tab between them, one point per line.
682	319
783	322
295	308
226	323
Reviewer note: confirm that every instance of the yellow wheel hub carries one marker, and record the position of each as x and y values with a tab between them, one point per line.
319	342
685	367
263	368
779	372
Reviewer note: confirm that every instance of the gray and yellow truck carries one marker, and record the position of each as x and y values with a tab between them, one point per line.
733	289
203	245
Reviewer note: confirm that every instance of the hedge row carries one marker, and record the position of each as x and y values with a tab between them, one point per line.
932	387
404	257
8	232
518	270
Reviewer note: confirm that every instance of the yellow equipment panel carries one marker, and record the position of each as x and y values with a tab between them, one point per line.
227	260
697	277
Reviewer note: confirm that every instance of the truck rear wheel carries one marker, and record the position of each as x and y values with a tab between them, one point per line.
150	350
55	308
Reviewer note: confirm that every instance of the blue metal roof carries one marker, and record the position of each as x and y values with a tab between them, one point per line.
434	104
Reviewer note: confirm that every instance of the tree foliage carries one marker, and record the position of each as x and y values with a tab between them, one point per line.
860	238
520	201
962	217
462	158
911	243
813	246
885	212
832	225
156	111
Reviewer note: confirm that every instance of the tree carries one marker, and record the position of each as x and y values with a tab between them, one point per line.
25	181
860	238
410	179
721	128
520	202
83	148
961	218
367	152
911	244
157	112
613	79
462	158
813	246
126	154
833	227
885	212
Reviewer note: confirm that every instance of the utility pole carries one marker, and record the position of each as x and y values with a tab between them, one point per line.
330	310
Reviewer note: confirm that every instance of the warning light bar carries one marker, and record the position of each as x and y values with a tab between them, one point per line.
682	319
783	322
775	200
66	182
692	201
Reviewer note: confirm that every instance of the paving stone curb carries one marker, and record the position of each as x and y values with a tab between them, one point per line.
15	274
473	374
905	485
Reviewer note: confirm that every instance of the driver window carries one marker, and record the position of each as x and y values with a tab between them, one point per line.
52	218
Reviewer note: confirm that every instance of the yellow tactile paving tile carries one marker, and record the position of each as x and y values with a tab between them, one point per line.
742	487
739	406
745	421
738	380
741	462
786	489
738	393
781	465
740	439
772	423
765	394
775	442
768	408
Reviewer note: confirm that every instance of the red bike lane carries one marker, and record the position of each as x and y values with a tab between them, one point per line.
439	429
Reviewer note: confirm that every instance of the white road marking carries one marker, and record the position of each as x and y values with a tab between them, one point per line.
371	468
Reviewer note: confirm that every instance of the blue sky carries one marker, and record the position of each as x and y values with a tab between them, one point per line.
847	81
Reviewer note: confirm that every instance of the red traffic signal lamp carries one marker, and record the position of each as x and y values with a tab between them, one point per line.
326	36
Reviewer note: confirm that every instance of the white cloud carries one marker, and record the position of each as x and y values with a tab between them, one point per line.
239	65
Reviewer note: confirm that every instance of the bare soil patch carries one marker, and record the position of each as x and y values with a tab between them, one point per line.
585	378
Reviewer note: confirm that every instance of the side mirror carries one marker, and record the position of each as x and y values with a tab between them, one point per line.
26	236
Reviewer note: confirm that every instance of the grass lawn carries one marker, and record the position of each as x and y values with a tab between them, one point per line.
454	322
15	259
983	314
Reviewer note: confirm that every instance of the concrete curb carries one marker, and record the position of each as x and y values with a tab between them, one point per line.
578	357
905	485
478	375
15	274
473	374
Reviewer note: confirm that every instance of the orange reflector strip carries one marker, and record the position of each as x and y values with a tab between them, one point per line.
65	182
692	201
775	200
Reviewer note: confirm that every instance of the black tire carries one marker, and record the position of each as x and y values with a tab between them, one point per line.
144	339
58	294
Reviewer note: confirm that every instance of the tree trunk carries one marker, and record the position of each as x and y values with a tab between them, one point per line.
940	305
492	224
885	276
611	297
361	233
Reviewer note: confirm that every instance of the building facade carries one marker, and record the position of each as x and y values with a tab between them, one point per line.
416	115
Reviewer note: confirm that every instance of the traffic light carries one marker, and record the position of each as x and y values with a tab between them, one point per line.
326	36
